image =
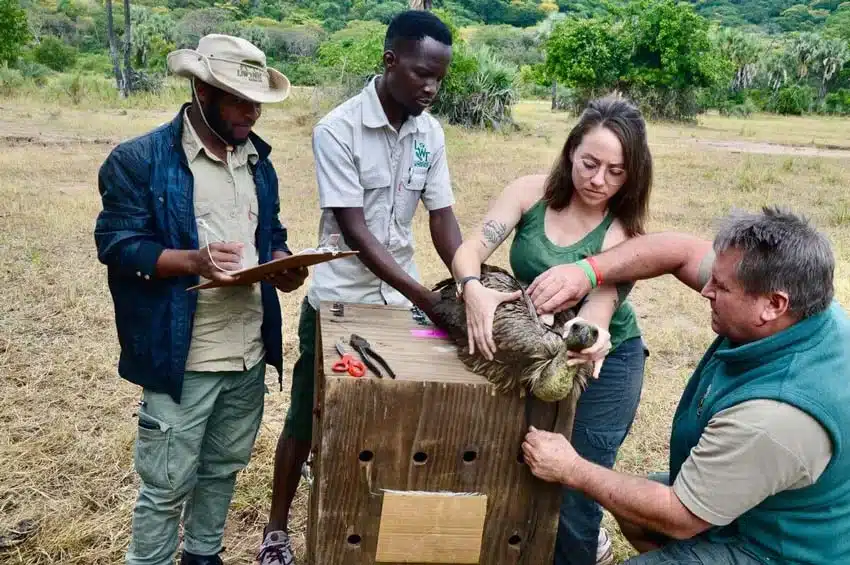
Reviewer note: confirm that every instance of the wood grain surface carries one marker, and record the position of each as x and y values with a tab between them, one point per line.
436	428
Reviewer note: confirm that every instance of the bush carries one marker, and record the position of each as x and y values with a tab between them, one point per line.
355	51
564	99
658	103
739	110
511	44
294	41
36	72
838	102
384	12
95	63
10	80
52	53
304	72
198	23
478	91
795	100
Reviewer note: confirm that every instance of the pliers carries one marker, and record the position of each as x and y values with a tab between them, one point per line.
365	350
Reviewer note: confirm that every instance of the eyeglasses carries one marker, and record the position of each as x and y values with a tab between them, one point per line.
615	176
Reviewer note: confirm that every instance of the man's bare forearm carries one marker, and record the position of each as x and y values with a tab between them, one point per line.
653	255
646	503
445	233
375	256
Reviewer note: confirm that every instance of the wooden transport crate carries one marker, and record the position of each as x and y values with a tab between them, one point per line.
427	467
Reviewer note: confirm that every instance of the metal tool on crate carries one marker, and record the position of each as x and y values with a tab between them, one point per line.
349	363
419	316
365	350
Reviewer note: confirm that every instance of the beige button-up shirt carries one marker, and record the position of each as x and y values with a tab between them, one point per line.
226	334
362	161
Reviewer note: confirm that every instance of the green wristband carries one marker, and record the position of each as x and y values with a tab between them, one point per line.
588	270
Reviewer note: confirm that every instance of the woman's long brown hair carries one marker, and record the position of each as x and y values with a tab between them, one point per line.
631	203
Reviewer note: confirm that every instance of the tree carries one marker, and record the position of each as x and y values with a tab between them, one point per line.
123	77
745	51
834	54
838	23
113	49
586	54
15	34
670	45
818	59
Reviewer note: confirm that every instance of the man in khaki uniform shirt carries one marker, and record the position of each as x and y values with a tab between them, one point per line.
377	156
226	331
190	202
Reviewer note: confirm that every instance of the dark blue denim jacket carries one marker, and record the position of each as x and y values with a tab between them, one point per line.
146	189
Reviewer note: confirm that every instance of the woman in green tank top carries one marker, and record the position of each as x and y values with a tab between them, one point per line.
595	197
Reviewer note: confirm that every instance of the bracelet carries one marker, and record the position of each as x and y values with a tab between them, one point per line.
588	270
592	262
462	283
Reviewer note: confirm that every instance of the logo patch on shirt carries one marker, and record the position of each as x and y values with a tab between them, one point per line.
421	155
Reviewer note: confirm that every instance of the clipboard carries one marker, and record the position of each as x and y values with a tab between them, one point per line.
258	273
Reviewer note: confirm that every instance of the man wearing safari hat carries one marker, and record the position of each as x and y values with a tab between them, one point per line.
190	202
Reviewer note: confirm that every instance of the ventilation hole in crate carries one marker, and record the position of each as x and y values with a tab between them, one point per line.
354	540
366	456
520	458
420	457
470	455
514	541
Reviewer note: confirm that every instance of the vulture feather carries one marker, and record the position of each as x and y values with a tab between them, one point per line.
530	354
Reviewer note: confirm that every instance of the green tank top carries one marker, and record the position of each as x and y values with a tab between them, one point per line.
532	253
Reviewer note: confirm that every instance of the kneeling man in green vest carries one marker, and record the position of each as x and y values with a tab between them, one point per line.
757	469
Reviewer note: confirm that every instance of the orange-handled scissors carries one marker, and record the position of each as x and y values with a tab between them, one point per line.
348	363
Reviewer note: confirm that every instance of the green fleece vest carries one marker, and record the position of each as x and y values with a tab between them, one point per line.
808	366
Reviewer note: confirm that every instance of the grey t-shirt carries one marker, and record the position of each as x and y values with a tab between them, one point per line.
748	452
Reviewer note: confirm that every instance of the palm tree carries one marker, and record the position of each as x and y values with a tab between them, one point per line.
745	51
832	57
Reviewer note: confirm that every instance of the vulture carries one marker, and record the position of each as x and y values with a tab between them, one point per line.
531	354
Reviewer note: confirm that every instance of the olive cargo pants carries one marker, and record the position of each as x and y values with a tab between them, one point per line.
188	454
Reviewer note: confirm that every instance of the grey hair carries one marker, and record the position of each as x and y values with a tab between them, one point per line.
781	252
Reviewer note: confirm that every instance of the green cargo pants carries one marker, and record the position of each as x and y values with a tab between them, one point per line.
189	454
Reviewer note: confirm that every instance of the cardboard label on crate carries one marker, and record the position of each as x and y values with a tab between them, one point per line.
431	527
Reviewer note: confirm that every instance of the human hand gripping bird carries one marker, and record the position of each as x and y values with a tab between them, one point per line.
481	304
559	288
595	354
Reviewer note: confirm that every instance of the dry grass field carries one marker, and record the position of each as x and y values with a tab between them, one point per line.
66	419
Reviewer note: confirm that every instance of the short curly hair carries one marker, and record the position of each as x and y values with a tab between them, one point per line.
414	25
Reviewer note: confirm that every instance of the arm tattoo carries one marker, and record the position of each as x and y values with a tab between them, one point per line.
494	232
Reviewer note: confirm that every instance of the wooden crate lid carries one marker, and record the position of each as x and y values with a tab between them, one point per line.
393	333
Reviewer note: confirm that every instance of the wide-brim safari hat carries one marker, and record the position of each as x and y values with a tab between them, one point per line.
232	64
